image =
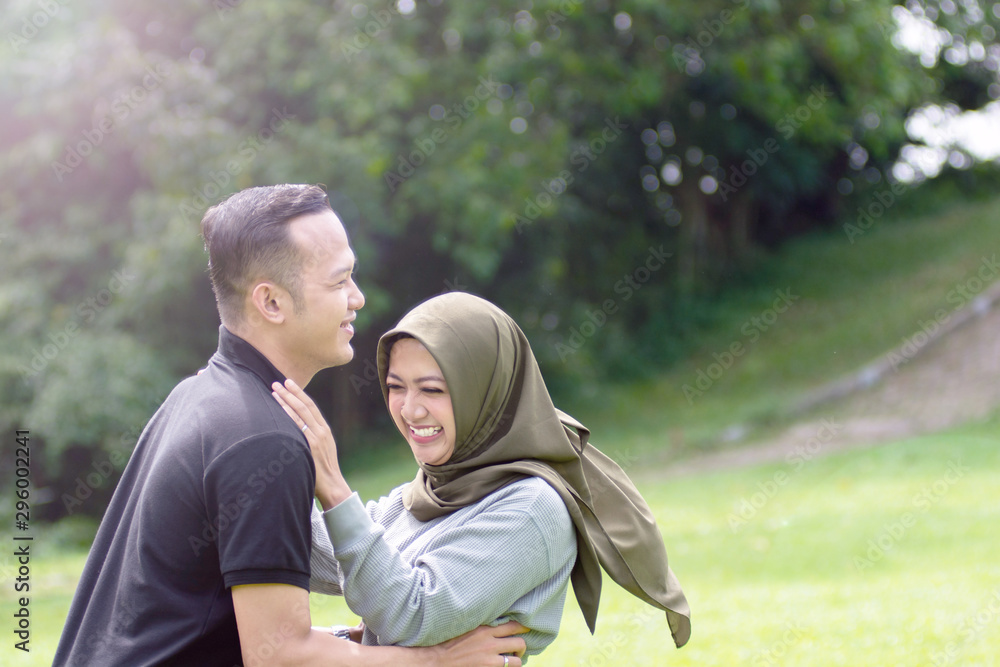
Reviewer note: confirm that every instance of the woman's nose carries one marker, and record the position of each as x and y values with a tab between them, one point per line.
412	408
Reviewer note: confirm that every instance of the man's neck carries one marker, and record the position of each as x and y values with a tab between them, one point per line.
268	345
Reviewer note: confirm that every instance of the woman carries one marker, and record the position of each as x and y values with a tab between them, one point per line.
509	501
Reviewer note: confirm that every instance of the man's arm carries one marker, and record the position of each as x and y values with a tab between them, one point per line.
274	626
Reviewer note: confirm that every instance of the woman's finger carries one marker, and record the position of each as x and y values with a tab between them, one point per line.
303	415
292	413
309	404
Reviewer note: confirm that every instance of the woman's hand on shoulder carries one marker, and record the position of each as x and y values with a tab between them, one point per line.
331	487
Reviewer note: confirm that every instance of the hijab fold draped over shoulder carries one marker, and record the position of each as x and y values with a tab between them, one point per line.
508	429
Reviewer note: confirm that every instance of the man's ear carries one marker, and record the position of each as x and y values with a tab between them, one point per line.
269	303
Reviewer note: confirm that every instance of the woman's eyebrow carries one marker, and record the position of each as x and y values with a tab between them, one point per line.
426	378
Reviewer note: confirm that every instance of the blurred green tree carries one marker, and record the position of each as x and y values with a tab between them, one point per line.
596	168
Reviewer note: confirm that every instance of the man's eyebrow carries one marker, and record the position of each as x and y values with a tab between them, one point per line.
350	268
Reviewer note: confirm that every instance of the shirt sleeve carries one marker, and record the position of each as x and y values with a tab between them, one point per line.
268	481
510	561
324	570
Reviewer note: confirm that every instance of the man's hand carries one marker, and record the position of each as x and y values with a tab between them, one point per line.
275	631
331	487
483	647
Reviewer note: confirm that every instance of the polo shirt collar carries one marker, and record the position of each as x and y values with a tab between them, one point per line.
241	353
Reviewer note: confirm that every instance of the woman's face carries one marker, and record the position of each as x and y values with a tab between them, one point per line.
419	402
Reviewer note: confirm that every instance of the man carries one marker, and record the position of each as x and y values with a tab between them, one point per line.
202	557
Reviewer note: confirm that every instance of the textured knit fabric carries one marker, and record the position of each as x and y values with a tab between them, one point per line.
507	428
417	583
217	461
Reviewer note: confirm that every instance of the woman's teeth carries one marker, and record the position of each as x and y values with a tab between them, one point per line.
425	432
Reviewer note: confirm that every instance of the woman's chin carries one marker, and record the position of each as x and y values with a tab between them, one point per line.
429	458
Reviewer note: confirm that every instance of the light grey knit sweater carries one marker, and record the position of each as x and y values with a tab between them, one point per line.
415	583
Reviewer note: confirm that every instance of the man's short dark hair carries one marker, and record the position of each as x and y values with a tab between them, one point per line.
247	239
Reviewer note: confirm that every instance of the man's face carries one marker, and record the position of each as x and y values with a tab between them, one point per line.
318	334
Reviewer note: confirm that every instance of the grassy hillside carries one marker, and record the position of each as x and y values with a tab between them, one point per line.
854	301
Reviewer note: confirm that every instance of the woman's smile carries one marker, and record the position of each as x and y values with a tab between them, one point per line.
425	434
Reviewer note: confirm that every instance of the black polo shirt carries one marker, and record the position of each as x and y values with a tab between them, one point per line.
217	493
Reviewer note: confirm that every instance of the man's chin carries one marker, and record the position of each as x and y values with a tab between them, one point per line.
345	356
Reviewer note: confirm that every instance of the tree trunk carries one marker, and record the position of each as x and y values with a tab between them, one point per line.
693	240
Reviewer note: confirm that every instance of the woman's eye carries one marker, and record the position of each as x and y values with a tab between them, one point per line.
393	387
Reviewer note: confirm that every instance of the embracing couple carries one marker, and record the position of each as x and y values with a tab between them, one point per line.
468	564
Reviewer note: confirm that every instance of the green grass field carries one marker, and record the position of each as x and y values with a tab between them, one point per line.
882	556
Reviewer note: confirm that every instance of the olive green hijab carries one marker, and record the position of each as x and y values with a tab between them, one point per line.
508	429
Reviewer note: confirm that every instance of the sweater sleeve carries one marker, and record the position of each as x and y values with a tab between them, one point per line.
510	561
324	570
